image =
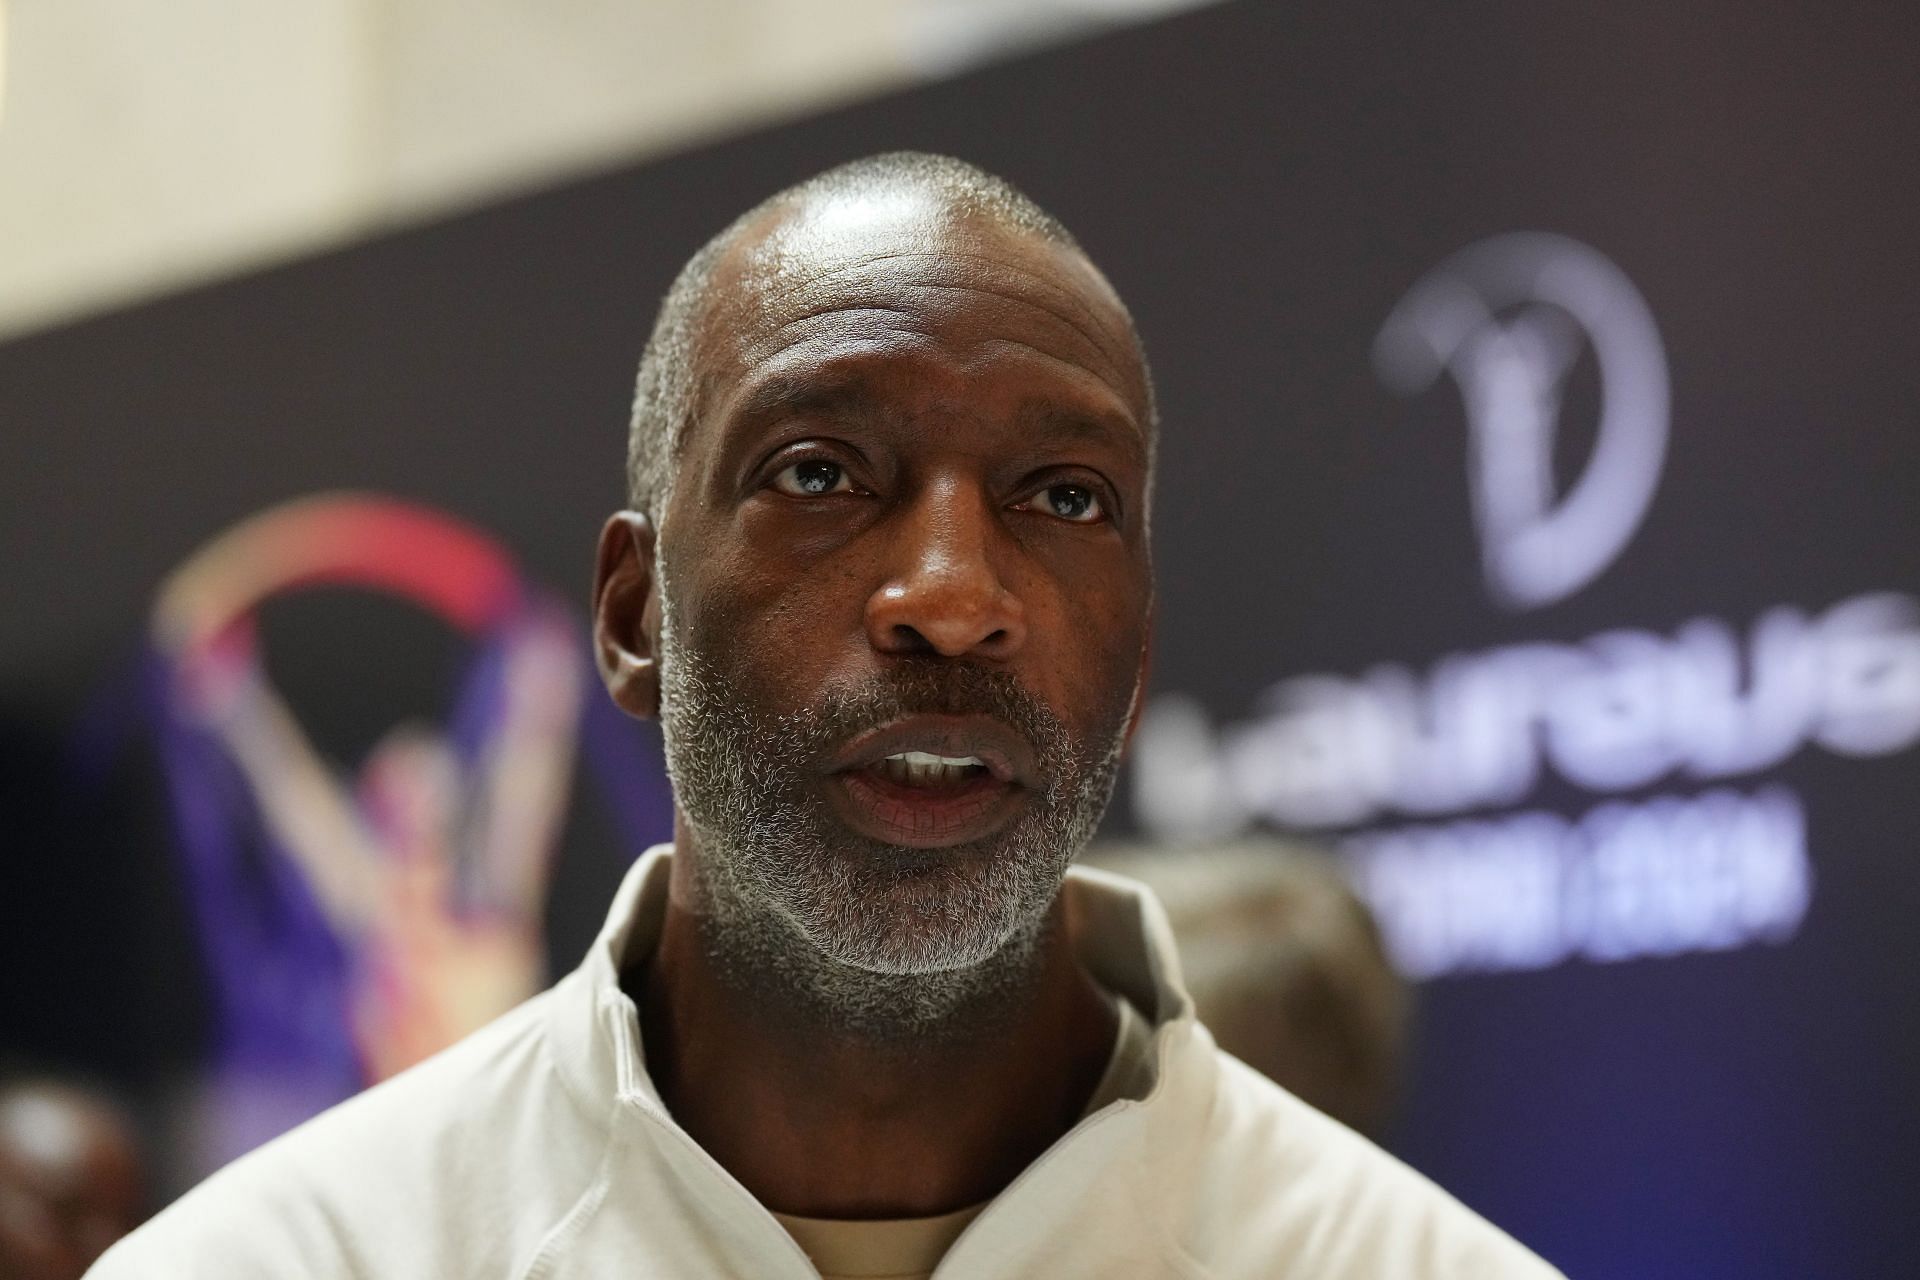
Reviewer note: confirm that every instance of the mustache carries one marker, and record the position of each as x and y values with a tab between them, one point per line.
937	686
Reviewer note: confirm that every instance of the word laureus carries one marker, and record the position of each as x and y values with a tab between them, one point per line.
1617	711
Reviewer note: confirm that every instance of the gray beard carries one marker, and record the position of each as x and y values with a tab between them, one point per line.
881	942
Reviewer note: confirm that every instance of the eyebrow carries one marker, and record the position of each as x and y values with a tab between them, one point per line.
782	395
1046	417
851	397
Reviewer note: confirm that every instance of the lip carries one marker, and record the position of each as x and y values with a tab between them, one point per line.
910	816
1007	755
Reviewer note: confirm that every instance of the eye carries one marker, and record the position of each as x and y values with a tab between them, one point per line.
1071	502
812	478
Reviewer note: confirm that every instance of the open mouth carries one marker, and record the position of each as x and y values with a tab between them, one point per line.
931	781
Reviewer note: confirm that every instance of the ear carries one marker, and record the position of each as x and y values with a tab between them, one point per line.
626	614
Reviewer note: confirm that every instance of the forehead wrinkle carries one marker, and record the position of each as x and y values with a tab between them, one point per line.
844	379
906	321
1127	340
917	325
755	276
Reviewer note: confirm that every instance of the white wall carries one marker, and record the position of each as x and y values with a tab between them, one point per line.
149	144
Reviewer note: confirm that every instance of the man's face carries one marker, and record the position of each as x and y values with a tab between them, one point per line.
904	578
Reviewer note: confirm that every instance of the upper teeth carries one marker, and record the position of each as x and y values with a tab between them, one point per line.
923	768
927	757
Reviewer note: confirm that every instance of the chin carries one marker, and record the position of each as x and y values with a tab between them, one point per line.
901	911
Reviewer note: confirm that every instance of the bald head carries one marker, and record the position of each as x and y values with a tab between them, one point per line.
871	212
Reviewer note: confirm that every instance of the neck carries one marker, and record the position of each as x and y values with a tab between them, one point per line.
919	1095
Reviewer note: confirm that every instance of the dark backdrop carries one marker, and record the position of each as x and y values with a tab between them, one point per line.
1262	182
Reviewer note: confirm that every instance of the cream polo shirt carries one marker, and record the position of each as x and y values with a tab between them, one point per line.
538	1149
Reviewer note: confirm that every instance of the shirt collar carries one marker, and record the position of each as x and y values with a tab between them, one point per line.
1119	930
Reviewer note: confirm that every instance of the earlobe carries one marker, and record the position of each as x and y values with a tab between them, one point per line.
626	614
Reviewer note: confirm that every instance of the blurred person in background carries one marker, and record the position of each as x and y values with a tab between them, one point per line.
1286	968
72	1178
885	580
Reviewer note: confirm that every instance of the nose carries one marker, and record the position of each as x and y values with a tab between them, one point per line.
945	596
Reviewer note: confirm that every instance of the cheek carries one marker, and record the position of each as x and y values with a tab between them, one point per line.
1121	657
775	615
1085	647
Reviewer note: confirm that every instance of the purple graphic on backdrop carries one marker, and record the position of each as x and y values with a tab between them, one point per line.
354	922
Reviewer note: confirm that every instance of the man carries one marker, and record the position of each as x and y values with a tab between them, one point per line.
886	584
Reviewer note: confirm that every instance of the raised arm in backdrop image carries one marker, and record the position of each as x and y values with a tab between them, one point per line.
886	583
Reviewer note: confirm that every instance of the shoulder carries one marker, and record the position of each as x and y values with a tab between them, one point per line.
390	1180
1282	1189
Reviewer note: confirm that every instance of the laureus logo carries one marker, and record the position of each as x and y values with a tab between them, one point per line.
1507	318
1427	776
